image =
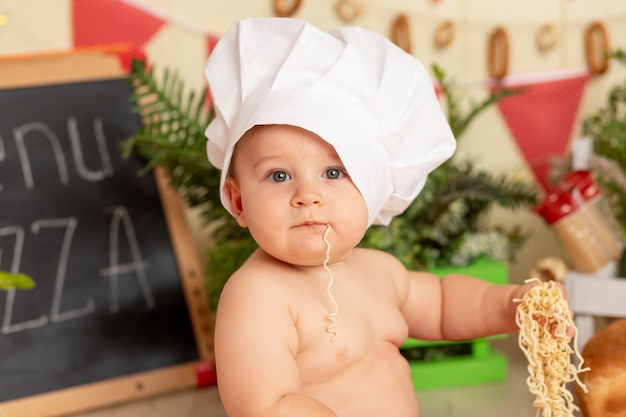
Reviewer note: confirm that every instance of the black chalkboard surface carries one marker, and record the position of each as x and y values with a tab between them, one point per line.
110	301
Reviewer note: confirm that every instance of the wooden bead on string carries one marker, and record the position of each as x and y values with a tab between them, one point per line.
286	8
401	32
445	32
348	10
547	37
597	48
498	54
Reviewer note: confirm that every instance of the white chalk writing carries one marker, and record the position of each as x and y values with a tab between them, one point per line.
121	218
120	225
33	132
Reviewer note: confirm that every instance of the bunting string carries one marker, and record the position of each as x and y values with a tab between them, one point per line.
519	30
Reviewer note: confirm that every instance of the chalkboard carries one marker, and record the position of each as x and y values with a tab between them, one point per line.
113	300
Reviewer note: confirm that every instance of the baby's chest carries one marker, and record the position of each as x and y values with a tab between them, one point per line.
334	338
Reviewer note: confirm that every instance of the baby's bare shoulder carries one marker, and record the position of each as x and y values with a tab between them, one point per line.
257	297
379	261
257	274
376	256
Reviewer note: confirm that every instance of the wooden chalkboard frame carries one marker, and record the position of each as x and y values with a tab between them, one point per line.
95	65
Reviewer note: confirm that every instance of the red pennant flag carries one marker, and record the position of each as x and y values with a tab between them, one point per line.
105	22
211	41
542	117
126	58
438	89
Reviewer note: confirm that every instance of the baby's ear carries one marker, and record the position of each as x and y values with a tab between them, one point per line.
233	194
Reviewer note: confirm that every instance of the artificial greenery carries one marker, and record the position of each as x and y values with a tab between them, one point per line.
9	280
445	225
607	128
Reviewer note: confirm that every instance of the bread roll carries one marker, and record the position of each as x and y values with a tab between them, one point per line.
605	354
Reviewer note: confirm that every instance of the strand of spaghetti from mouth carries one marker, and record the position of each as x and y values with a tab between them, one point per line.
332	317
543	317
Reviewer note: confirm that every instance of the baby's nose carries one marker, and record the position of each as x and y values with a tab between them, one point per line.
307	196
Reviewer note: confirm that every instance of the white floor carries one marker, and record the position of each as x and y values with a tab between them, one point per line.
509	398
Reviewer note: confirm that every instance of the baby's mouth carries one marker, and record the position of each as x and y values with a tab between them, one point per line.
312	224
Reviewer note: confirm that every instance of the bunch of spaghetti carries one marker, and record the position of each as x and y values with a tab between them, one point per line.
544	317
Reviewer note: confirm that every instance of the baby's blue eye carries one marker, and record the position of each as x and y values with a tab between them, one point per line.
279	176
333	173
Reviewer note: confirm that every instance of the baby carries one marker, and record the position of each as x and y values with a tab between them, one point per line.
320	135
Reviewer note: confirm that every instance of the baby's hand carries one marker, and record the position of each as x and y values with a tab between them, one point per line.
547	302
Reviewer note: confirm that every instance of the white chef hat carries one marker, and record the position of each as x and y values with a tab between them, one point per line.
373	102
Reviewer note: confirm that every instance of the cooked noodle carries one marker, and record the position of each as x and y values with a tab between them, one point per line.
543	317
332	317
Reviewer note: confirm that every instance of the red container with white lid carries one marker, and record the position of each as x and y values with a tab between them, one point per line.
572	210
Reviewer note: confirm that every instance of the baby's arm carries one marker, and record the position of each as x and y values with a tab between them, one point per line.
475	308
255	346
459	307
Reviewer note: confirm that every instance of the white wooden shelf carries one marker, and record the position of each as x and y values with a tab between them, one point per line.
600	294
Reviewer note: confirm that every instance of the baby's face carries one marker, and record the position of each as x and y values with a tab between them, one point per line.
287	186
